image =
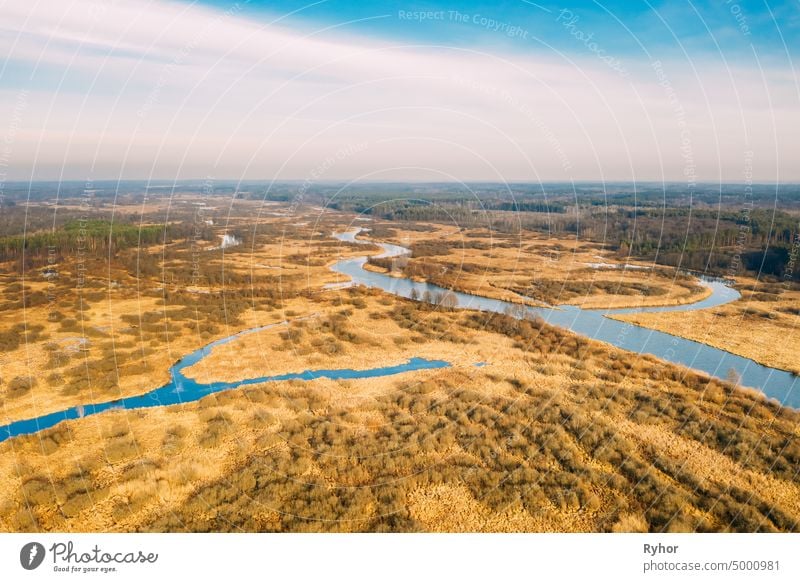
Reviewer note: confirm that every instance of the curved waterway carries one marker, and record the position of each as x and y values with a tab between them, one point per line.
592	323
181	389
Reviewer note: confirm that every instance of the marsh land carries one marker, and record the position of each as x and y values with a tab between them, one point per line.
530	428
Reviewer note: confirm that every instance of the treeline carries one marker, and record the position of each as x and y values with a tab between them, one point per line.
759	241
461	211
717	241
90	237
527	207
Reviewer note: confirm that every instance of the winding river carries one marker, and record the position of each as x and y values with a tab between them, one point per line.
181	389
592	323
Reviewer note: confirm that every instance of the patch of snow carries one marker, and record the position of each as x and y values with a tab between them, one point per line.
616	266
343	285
228	240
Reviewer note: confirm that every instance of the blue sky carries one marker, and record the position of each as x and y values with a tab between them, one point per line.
336	90
629	28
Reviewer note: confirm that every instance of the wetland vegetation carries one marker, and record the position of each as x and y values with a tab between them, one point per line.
554	433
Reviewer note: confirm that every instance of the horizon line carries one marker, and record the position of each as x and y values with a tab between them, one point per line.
410	181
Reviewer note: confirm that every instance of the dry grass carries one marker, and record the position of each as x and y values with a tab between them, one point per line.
539	269
760	326
556	433
548	437
118	336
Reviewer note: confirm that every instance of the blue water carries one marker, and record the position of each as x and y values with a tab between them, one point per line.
593	323
778	384
182	389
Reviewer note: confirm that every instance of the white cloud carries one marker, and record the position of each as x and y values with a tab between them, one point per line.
171	90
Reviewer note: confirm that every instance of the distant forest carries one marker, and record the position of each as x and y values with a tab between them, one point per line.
722	229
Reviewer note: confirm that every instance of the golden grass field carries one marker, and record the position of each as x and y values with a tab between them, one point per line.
555	433
545	270
759	326
506	268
